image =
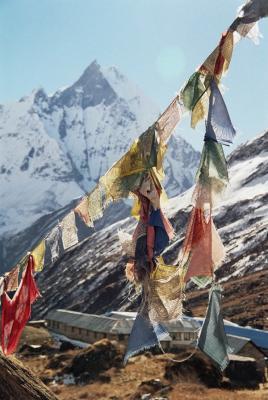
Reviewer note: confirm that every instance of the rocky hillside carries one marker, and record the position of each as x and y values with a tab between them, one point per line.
55	147
89	278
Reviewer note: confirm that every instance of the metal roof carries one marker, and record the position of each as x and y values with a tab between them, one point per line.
95	323
236	343
257	336
121	323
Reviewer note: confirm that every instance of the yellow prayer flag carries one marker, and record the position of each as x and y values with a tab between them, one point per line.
39	256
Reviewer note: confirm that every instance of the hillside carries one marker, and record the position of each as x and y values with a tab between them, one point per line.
93	271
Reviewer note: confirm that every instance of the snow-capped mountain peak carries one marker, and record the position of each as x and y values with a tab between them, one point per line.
90	90
55	147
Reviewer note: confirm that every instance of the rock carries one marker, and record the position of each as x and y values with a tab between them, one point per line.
89	363
28	350
199	367
149	389
65	346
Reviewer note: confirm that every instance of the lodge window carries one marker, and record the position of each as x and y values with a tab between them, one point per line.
120	337
187	336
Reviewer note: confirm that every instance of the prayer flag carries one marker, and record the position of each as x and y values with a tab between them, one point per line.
202	249
253	10
12	279
83	211
144	335
219	126
212	340
39	256
52	241
168	120
212	170
2	285
217	63
69	230
194	90
17	311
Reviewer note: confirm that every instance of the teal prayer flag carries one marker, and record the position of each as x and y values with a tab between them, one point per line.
212	340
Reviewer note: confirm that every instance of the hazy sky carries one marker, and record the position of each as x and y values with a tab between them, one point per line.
155	43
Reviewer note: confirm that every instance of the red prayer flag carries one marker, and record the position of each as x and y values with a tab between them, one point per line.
17	311
198	245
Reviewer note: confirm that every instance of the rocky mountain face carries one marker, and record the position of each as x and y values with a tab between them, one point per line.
55	147
90	278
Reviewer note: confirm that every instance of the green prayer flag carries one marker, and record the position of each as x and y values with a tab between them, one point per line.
194	90
212	340
213	166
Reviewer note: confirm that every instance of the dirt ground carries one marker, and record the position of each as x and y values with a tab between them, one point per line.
144	377
133	381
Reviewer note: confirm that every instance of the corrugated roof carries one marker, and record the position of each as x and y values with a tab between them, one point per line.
119	325
116	324
95	323
236	343
257	336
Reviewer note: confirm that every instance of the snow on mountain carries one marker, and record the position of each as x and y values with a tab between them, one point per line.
96	265
55	147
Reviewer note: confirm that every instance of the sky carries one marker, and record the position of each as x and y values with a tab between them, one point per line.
157	44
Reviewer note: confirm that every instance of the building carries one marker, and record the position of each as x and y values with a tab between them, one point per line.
114	326
243	341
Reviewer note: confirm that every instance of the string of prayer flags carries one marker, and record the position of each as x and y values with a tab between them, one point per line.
212	339
69	231
16	311
125	176
39	256
218	125
139	174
